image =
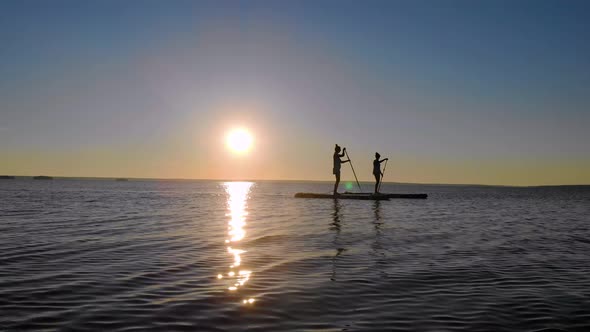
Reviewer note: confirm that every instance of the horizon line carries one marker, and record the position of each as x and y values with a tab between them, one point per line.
293	180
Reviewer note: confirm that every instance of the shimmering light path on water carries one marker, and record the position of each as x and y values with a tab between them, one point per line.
237	199
165	255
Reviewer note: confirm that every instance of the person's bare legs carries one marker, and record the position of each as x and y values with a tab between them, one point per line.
336	184
377	176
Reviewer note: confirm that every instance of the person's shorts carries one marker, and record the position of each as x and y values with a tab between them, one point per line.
336	172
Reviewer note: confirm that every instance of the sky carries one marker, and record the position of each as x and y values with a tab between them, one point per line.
466	92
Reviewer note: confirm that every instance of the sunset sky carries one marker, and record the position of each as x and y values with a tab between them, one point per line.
487	92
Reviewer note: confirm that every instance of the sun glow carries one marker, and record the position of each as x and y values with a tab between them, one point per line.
239	141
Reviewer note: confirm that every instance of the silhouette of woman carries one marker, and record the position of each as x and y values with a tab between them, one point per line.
377	170
337	162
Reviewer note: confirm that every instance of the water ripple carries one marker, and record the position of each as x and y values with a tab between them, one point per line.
147	256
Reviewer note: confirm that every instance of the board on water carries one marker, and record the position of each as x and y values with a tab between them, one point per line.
408	196
363	196
342	196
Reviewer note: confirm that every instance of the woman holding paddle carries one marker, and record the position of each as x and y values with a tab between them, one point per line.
377	170
337	162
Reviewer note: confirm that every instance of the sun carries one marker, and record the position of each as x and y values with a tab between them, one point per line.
239	140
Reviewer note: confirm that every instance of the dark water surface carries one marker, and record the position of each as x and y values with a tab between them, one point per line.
199	256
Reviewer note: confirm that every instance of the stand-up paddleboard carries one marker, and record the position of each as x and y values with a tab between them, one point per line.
363	196
408	196
342	196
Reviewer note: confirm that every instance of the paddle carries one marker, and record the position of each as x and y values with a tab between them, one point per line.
384	167
353	172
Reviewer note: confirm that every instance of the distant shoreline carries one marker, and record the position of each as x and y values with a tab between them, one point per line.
130	179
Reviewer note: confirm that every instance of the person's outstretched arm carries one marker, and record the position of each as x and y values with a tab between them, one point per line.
343	153
345	161
380	161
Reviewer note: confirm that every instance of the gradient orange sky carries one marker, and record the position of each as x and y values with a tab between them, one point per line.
448	98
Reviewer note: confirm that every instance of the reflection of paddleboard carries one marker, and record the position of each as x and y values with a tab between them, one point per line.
372	197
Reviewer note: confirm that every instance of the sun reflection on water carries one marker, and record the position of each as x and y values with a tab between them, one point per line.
237	198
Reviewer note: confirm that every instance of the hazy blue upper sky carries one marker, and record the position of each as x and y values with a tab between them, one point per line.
491	92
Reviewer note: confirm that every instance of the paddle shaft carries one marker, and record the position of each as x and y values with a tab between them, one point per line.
381	182
353	172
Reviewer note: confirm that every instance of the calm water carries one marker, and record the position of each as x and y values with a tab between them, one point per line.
199	256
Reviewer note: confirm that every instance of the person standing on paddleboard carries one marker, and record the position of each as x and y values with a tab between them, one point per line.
337	162
377	170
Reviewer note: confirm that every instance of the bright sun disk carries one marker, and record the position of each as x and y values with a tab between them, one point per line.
239	140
